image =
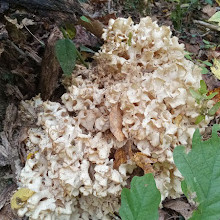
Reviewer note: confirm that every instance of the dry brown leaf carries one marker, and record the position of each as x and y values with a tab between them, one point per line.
115	119
180	206
144	162
209	10
94	26
120	157
162	215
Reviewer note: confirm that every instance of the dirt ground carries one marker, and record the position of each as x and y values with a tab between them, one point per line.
28	65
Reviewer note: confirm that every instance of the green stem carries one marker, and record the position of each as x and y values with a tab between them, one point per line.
81	59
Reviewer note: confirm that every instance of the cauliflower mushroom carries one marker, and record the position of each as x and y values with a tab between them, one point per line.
137	91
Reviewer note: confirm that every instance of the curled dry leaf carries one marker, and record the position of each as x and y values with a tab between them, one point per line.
209	10
115	119
145	162
142	160
120	157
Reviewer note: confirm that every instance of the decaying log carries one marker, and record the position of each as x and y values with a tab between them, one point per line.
57	9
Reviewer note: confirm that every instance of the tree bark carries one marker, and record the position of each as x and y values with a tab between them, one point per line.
58	9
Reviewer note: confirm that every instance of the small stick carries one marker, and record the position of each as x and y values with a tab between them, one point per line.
207	25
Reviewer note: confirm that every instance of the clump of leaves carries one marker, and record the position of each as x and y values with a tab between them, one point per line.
200	169
202	98
66	51
142	200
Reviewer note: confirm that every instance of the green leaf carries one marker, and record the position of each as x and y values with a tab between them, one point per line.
200	169
206	42
204	70
83	18
199	119
207	63
142	200
211	96
210	2
203	88
86	49
216	17
184	188
214	109
195	95
66	55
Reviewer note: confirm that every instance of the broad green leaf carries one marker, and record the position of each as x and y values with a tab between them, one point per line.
83	18
203	88
195	95
142	200
201	171
66	55
214	109
199	119
216	17
204	70
211	96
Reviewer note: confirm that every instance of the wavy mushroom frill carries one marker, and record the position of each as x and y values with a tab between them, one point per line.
137	92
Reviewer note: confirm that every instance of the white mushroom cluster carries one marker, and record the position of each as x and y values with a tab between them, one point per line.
138	91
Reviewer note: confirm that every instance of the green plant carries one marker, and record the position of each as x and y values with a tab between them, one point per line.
202	98
182	9
142	200
66	51
200	169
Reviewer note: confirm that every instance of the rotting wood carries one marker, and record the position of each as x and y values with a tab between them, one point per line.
59	9
50	67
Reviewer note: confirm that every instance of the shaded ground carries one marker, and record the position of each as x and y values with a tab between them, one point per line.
28	65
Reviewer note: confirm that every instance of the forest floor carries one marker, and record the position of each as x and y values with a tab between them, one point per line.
28	65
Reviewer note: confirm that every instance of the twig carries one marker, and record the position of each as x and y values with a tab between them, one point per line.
207	25
41	42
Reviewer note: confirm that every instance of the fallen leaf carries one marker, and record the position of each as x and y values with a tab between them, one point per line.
20	197
216	18
145	162
84	37
115	119
120	157
182	207
209	10
94	26
216	68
